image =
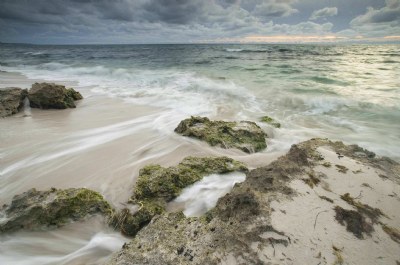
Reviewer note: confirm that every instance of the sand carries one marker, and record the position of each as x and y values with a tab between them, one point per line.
310	221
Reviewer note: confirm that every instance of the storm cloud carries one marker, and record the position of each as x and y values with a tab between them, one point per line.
182	21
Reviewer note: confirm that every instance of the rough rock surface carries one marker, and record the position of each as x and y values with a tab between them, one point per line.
239	229
245	135
157	185
33	210
52	96
11	100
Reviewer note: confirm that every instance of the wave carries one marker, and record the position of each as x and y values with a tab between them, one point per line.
233	50
184	91
34	53
247	50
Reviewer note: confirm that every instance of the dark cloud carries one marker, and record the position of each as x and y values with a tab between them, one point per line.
133	21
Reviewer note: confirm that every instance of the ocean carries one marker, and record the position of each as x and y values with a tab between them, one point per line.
135	95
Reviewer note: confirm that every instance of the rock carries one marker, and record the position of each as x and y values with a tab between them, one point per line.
129	222
33	210
157	185
11	100
52	96
239	229
167	183
245	135
270	121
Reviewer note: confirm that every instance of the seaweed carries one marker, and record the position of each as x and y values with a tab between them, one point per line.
394	233
354	221
312	180
338	254
342	169
372	213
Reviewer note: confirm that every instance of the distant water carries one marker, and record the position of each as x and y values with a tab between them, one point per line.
345	92
342	92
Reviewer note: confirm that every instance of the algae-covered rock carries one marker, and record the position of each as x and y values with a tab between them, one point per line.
11	100
158	182
270	121
129	222
52	96
157	185
34	209
245	135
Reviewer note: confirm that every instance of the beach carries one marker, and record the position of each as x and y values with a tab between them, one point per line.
136	95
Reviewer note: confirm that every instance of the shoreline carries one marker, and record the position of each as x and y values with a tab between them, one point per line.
102	144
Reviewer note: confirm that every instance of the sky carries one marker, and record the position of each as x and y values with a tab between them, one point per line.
197	21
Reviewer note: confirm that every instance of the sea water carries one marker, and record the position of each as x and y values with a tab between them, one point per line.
343	92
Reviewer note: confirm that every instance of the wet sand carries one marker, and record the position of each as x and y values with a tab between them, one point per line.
100	145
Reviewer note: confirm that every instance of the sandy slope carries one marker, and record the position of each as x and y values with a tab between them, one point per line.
310	221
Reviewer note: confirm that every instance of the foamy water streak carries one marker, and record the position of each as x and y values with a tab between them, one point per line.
82	141
204	194
61	246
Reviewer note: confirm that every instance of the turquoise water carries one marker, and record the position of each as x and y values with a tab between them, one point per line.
343	92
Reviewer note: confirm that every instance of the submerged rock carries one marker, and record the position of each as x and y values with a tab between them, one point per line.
33	210
245	135
270	121
157	185
52	96
11	100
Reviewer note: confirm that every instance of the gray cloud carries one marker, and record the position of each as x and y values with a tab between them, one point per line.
274	9
162	21
324	12
389	13
379	22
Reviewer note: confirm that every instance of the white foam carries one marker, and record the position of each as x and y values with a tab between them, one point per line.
184	91
233	50
203	195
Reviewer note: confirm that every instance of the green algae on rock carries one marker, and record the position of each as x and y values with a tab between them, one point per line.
158	182
129	223
157	185
244	135
270	121
33	210
52	96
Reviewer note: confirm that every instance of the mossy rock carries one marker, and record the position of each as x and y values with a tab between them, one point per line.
271	121
52	96
245	135
156	186
33	210
130	223
158	182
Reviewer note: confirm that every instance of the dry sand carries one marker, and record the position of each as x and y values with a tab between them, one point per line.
310	221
